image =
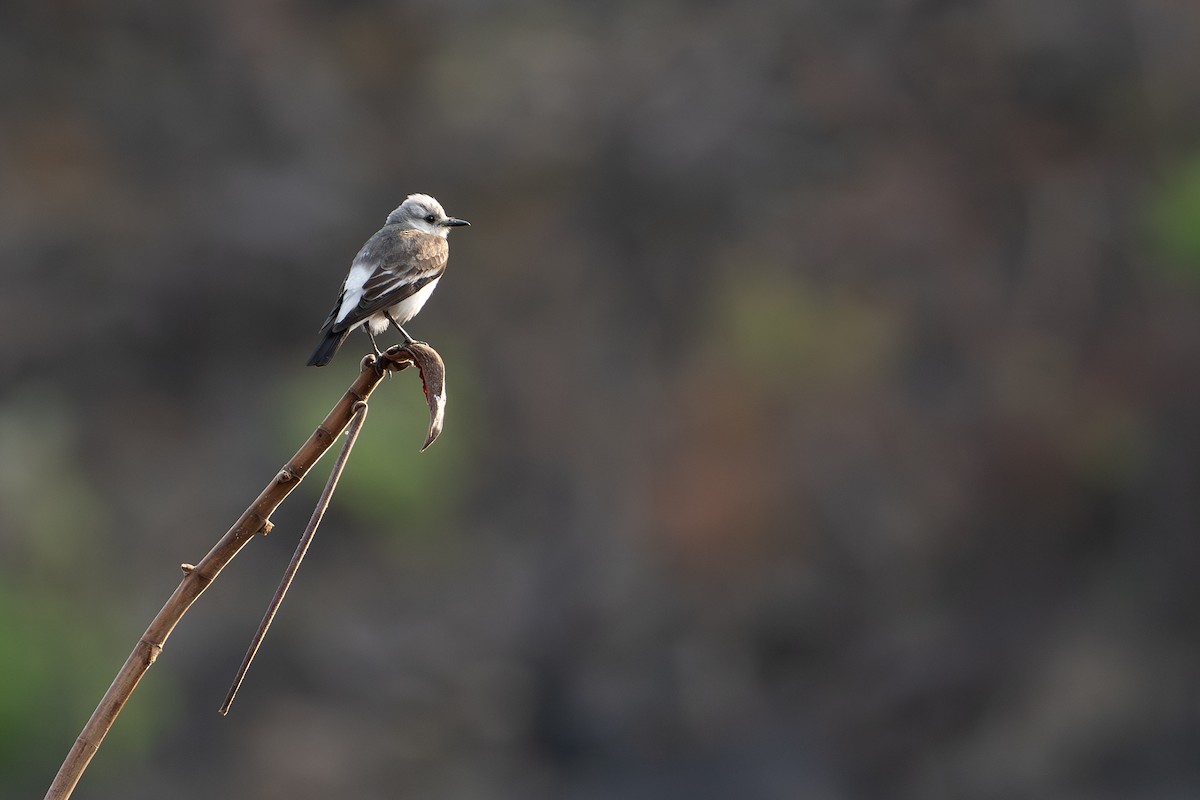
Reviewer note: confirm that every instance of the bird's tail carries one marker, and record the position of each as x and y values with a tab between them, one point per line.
328	346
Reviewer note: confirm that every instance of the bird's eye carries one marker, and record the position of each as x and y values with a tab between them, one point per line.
430	218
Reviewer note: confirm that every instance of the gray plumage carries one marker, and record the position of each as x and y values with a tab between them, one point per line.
392	276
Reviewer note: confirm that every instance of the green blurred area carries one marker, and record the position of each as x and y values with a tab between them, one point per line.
56	642
1175	222
791	335
388	485
60	653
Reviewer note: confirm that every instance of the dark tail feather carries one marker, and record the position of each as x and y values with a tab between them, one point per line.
325	350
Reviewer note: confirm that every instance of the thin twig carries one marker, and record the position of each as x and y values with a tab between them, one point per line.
301	549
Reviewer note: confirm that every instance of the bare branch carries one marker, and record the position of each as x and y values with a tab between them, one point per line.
254	520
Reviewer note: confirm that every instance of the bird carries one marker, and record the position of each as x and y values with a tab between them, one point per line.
392	276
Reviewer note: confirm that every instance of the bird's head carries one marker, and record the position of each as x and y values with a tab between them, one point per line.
420	212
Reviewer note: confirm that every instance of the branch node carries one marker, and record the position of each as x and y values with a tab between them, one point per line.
187	568
255	523
154	647
267	527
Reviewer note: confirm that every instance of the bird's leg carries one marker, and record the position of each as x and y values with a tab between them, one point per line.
407	339
379	364
374	345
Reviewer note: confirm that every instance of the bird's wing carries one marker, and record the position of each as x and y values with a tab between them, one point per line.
402	263
337	306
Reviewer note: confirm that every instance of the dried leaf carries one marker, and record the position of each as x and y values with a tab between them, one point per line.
433	381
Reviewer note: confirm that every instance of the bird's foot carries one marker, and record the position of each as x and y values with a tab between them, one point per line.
377	361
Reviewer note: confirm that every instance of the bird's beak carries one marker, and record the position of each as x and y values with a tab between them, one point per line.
453	222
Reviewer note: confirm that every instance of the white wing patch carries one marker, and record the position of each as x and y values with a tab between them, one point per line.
360	273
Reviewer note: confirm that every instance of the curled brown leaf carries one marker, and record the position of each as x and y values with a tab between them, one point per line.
433	381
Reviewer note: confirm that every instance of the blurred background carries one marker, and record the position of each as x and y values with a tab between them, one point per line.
823	397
